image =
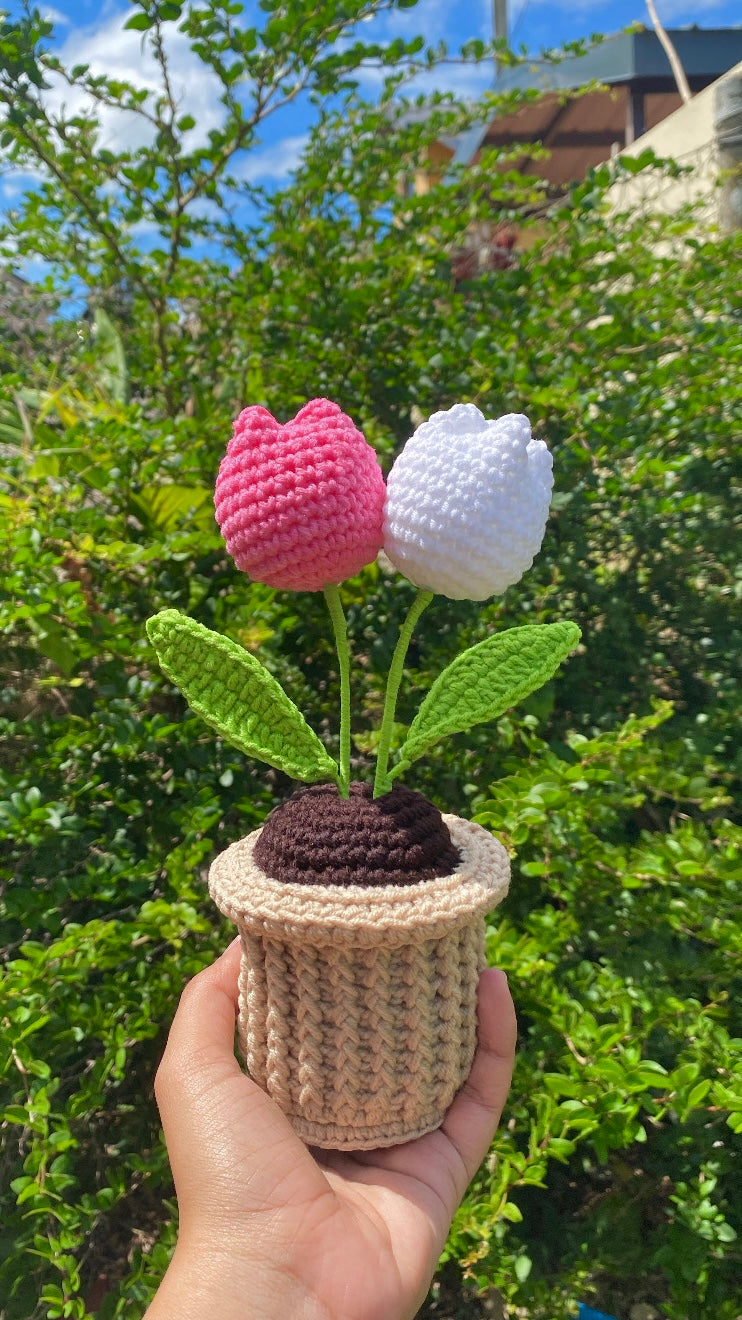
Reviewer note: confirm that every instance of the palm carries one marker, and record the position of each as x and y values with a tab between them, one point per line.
398	1206
334	1220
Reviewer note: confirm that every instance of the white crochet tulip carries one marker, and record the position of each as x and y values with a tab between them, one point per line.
467	502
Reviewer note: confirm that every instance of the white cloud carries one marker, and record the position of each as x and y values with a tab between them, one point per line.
32	269
145	229
54	16
453	21
15	182
466	81
272	163
108	49
437	21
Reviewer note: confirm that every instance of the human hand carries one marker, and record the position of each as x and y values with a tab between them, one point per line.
268	1228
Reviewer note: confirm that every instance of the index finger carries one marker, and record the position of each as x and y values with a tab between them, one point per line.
472	1119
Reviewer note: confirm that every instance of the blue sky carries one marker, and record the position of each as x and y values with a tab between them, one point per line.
533	22
87	31
90	32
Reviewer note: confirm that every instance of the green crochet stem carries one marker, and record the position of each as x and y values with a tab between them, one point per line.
382	782
340	629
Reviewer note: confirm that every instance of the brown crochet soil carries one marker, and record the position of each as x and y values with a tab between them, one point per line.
319	838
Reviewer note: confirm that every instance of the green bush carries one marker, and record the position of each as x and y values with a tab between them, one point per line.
614	1177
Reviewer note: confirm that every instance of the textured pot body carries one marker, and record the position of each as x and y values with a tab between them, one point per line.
357	1009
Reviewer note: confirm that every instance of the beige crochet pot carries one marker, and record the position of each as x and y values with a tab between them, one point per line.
357	1009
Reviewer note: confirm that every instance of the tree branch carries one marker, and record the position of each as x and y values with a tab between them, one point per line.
670	52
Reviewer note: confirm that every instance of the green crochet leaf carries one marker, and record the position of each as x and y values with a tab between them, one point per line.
237	696
486	680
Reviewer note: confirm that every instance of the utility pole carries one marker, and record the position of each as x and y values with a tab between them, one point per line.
500	9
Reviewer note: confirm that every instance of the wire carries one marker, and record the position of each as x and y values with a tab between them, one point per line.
519	20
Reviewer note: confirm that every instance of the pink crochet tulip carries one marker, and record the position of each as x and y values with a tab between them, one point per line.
300	506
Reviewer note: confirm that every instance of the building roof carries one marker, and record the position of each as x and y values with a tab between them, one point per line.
705	53
582	131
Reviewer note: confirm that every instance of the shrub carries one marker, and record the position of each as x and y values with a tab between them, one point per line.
616	786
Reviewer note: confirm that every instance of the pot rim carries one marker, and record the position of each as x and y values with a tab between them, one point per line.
358	914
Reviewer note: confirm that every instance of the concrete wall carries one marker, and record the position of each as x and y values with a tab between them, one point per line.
687	136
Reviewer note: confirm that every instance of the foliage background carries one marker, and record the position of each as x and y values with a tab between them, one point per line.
616	787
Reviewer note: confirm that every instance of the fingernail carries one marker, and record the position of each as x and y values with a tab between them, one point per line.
225	952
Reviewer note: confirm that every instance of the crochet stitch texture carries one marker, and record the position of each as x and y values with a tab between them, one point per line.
357	1008
236	695
318	838
300	506
467	503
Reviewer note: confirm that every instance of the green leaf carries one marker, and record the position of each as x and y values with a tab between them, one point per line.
485	681
233	692
698	1094
522	1266
28	1193
139	23
560	1148
16	1114
166	506
112	377
55	642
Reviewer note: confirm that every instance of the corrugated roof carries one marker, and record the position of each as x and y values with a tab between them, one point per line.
584	130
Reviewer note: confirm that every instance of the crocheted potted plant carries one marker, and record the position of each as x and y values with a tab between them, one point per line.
359	906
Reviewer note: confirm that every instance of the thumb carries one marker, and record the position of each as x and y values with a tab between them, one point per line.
220	1127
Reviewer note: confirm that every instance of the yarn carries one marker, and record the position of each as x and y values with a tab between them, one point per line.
300	506
233	692
486	680
467	503
318	838
357	1006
